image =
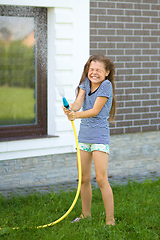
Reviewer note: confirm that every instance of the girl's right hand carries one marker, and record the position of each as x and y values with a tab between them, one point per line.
66	111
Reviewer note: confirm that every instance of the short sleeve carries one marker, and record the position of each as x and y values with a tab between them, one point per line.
83	85
105	89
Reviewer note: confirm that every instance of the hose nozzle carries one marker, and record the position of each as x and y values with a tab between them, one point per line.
65	103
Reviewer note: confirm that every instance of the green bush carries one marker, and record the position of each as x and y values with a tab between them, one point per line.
17	65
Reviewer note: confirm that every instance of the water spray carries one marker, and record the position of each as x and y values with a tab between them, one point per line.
66	105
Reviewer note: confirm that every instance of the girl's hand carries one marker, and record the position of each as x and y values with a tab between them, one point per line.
66	111
71	116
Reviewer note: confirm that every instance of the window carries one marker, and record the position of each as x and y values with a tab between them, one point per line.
23	72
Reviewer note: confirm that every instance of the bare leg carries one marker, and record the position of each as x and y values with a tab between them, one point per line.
86	190
101	164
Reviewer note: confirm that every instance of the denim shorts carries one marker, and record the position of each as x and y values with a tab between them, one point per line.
90	147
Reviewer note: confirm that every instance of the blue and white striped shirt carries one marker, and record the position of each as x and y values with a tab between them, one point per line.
96	129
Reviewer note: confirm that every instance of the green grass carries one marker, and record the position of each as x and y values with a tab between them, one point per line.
137	214
17	105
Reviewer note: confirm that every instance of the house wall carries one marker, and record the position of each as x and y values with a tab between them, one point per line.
128	32
131	155
68	38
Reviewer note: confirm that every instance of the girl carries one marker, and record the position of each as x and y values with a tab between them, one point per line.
96	92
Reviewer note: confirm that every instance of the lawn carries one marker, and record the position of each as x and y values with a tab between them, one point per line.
137	214
17	105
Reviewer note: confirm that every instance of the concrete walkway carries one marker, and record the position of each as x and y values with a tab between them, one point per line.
67	186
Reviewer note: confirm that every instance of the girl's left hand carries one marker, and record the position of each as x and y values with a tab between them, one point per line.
72	116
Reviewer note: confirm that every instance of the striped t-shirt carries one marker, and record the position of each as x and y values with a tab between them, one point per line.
96	129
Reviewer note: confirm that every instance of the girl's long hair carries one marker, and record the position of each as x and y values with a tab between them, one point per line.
109	65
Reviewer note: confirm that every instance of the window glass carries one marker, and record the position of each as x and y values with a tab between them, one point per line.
23	72
17	71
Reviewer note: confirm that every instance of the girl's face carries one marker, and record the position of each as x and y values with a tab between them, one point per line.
97	72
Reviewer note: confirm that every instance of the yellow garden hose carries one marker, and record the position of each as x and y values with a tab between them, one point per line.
78	189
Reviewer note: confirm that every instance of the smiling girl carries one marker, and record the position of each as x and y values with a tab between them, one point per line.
96	93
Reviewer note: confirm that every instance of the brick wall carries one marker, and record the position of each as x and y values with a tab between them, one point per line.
128	32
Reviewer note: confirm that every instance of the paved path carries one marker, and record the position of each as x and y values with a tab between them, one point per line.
73	185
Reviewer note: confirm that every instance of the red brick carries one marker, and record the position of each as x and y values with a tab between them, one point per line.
155	109
150	39
155	96
150	26
141	58
133	64
132	129
149	77
93	4
155	7
105	18
150	1
155	71
141	32
124	45
97	51
98	39
124	58
150	51
150	13
149	90
116	131
97	25
119	117
141	109
124	71
106	45
124	32
119	91
123	84
133	52
132	91
141	84
98	11
93	18
155	33
149	115
155	20
133	78
125	98
115	12
106	5
132	104
149	128
133	12
149	103
124	123
115	38
149	64
141	71
93	31
142	6
133	39
106	32
124	19
133	26
141	45
141	122
119	65
142	19
155	45
115	25
115	52
125	5
155	121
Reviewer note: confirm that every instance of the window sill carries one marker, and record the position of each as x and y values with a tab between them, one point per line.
27	137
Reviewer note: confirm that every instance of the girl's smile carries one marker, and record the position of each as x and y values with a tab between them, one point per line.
97	72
